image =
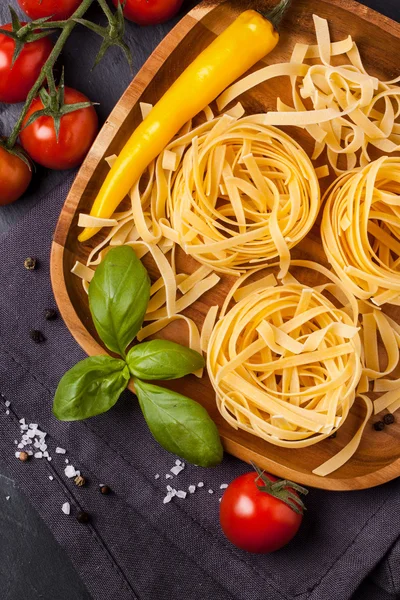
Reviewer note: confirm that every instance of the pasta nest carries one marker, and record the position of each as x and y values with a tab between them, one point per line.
360	231
244	193
285	364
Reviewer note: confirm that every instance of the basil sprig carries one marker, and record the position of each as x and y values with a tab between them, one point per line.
118	297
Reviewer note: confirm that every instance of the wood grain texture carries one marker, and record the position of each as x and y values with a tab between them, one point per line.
378	457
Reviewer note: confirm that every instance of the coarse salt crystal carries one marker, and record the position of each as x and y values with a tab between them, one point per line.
45	454
15	441
22	421
157	476
38	455
48	458
219	499
7	403
168	476
7	497
66	461
20	446
33	425
169	488
210	491
36	444
167	499
200	484
24	427
31	433
223	486
60	450
29	452
66	508
7	412
43	447
181	494
192	489
51	477
70	471
176	470
17	454
178	462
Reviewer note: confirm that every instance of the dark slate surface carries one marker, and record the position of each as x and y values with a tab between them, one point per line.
32	564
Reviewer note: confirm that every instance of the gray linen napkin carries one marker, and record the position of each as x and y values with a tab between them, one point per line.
135	546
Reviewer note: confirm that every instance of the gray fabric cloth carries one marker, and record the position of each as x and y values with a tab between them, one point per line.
135	546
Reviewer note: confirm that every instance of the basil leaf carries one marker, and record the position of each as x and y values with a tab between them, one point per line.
161	359
180	425
118	297
90	388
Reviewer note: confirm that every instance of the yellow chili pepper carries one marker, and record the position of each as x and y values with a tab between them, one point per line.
250	37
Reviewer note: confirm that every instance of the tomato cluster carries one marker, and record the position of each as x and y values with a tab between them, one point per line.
67	147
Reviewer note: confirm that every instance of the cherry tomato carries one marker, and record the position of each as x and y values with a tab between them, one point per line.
15	176
17	80
77	132
58	10
254	520
150	12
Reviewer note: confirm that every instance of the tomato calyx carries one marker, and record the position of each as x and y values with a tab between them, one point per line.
53	103
282	490
112	34
24	34
16	151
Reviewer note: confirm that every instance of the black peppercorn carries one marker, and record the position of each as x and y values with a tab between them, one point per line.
105	490
388	419
50	314
83	517
334	434
30	263
379	425
37	336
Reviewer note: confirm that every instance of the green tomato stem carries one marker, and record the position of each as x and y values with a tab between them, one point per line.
47	67
106	10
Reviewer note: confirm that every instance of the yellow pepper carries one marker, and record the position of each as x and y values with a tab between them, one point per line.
250	37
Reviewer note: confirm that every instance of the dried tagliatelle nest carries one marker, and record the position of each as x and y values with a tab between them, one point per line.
245	193
360	231
285	363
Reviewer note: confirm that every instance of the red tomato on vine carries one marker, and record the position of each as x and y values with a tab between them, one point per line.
77	131
58	10
150	12
17	79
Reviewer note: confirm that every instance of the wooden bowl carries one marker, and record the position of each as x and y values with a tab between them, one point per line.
378	457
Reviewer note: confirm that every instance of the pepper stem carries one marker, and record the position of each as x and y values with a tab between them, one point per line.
276	14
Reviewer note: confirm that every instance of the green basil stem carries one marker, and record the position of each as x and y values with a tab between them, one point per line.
49	64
